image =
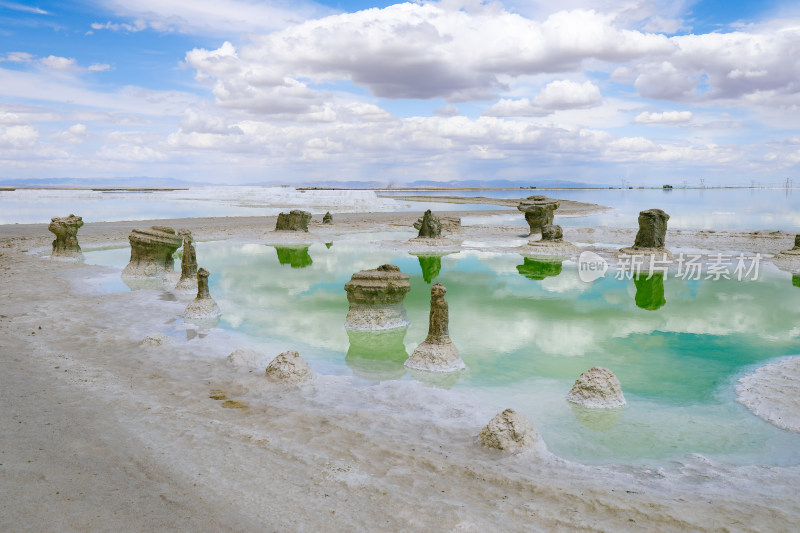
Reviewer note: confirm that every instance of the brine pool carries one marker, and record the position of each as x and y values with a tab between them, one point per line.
526	329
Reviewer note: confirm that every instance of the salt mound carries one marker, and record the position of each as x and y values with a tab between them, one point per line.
243	359
155	339
597	388
508	431
288	367
772	392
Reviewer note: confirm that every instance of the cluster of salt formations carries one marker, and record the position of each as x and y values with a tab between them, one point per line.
203	306
288	367
508	431
376	299
188	281
295	220
66	232
437	353
597	388
651	235
151	252
539	211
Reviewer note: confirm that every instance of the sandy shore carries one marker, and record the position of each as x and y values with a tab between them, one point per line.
104	434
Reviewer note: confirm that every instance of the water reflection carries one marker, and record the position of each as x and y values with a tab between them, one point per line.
796	280
596	419
539	269
650	292
295	256
377	355
430	264
440	380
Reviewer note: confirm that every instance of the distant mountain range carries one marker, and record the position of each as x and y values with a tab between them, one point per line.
176	183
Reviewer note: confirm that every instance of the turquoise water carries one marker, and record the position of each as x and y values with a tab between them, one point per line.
526	329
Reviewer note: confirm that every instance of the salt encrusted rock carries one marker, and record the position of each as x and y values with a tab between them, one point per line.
295	220
203	306
66	232
652	229
508	431
539	211
437	353
288	367
327	218
552	233
243	358
597	388
151	252
155	339
188	281
449	224
376	299
429	226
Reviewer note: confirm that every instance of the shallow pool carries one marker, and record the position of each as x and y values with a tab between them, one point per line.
526	329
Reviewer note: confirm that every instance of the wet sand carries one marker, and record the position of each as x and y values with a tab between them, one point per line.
104	434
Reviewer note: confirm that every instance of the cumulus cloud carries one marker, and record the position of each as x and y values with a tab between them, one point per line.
667	117
556	95
58	63
19	136
75	134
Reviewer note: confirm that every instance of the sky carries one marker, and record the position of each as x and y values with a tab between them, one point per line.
293	92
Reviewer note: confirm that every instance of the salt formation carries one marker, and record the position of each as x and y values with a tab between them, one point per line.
597	388
295	220
376	299
203	306
552	233
652	232
437	353
288	367
66	232
508	431
429	227
539	211
188	281
155	339
327	218
151	252
243	359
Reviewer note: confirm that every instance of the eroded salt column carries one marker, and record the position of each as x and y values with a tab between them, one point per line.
429	226
437	353
652	229
203	306
295	220
596	388
376	299
151	252
66	232
539	211
188	281
327	218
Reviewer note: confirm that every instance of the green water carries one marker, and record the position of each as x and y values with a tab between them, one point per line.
526	329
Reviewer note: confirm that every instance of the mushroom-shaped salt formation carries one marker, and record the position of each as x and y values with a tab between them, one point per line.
597	388
151	252
66	232
539	211
288	367
508	431
437	353
376	299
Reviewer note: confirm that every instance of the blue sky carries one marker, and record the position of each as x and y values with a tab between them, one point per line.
242	91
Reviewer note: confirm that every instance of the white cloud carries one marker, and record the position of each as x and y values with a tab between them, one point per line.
210	17
75	134
58	63
99	67
19	136
556	95
667	117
